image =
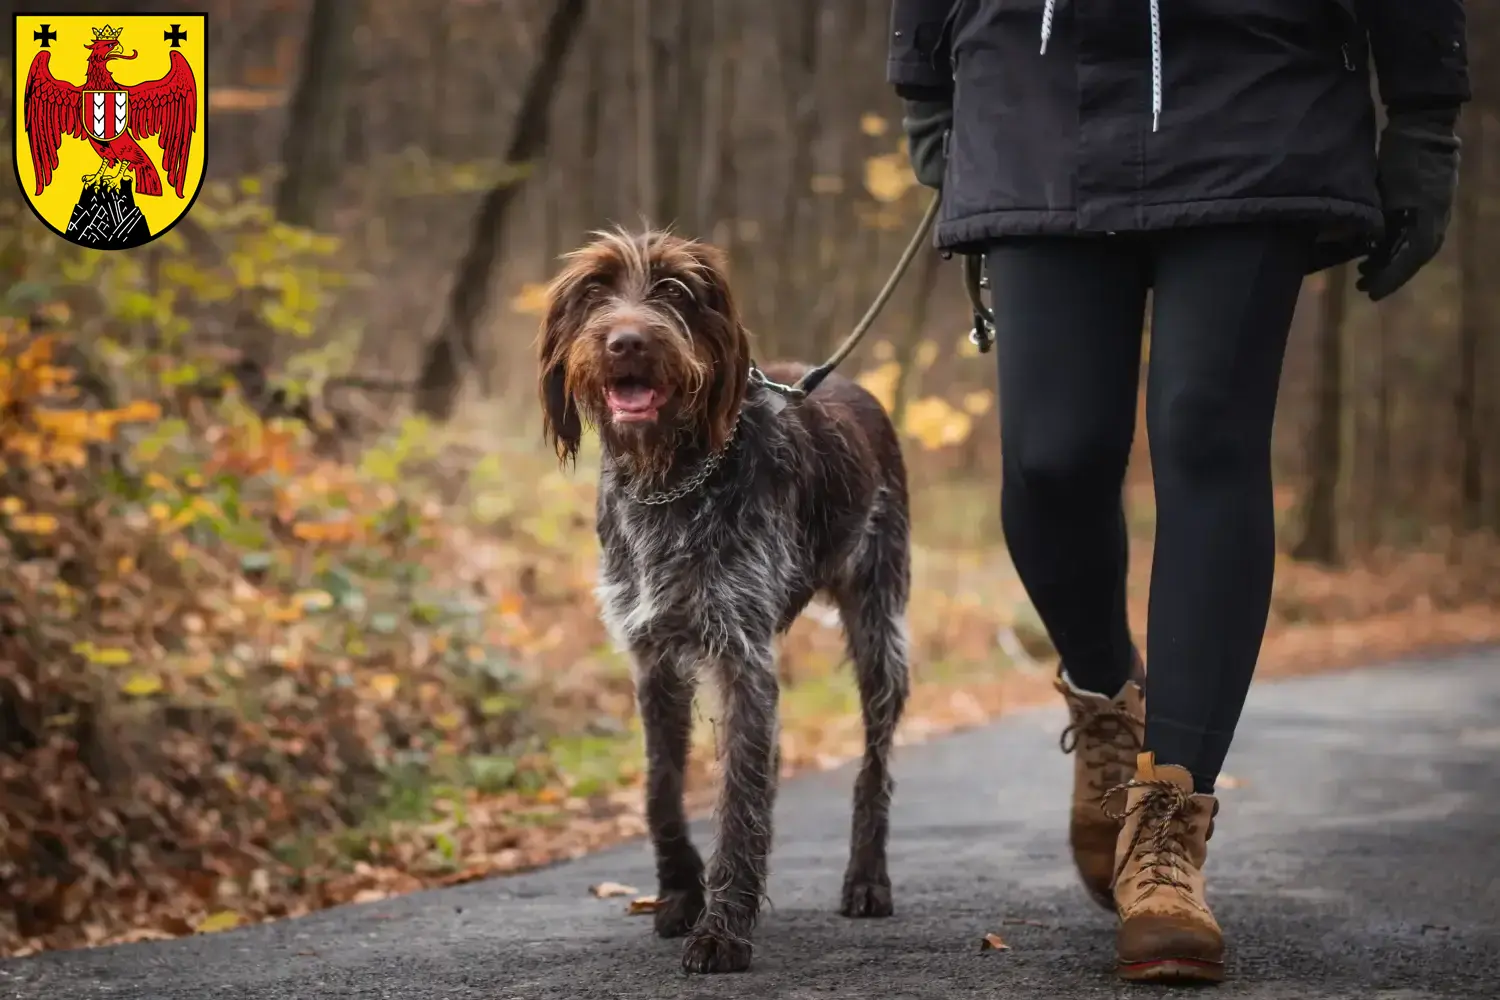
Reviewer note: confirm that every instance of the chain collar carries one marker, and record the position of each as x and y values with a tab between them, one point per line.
692	482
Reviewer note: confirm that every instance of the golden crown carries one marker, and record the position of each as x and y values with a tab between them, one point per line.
107	33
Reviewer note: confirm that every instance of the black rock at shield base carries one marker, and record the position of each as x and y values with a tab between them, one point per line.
106	218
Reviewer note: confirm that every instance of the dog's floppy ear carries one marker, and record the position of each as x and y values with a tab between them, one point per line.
729	344
562	424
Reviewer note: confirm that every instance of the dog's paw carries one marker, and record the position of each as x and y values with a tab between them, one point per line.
677	911
867	897
709	953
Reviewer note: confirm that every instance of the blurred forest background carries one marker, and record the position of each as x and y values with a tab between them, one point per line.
294	608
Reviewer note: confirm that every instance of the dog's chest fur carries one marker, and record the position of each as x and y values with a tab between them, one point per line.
724	569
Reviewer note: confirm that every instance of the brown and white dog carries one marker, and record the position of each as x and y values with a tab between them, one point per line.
721	513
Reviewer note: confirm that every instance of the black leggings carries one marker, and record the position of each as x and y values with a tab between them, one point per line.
1069	330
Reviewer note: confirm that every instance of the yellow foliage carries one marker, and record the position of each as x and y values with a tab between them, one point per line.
978	403
40	426
142	685
935	423
880	382
531	300
888	177
224	920
331	532
107	657
385	685
927	353
873	125
33	524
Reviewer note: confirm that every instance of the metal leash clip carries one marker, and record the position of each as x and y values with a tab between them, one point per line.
982	333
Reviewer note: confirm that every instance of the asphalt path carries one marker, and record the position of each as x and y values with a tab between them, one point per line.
1357	856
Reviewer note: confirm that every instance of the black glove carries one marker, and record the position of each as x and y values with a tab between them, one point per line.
1418	174
926	123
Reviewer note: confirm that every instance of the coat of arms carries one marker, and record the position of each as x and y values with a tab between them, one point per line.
109	164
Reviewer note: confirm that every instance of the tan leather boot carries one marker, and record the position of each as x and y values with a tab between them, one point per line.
1166	930
1104	735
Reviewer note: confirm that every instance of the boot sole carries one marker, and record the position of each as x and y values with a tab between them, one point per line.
1172	970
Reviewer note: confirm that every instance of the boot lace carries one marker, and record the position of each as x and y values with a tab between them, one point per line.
1109	737
1164	812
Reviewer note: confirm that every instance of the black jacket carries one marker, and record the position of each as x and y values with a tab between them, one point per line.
1250	110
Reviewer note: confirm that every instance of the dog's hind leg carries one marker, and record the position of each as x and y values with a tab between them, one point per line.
664	693
736	877
872	604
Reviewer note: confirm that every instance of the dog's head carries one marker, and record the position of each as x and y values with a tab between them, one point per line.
642	340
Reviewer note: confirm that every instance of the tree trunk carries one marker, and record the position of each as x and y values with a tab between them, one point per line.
1472	297
451	349
1325	459
1390	328
647	99
310	150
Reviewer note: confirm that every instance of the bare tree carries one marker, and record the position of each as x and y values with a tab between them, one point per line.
1325	453
452	347
313	144
1472	323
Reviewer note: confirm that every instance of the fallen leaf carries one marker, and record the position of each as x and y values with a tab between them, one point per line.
112	657
642	905
993	942
224	920
314	600
141	685
33	524
385	685
608	890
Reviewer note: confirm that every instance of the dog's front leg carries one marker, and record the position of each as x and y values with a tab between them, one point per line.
664	692
736	878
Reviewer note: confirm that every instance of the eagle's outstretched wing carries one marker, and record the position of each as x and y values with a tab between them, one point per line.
168	109
53	110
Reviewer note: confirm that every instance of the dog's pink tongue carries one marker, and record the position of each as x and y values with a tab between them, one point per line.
632	400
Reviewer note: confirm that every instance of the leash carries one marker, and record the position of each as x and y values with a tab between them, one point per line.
982	334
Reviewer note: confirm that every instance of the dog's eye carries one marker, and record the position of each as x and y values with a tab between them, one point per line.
673	290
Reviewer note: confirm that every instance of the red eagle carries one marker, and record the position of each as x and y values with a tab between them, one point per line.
112	117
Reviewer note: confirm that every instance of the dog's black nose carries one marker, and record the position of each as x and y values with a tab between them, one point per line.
624	342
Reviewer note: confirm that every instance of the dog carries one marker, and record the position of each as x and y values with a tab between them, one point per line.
722	511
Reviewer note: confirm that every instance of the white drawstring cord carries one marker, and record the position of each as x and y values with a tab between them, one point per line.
1155	65
1050	8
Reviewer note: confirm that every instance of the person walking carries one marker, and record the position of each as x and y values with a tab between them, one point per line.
1212	152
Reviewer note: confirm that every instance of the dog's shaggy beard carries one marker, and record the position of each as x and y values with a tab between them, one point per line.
644	451
691	364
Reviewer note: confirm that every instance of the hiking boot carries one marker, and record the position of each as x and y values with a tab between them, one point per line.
1166	930
1104	735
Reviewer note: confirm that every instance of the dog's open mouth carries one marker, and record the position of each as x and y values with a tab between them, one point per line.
632	399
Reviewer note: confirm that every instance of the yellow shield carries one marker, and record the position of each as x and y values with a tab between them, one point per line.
110	123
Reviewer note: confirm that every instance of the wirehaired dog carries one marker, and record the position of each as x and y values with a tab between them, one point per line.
721	513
